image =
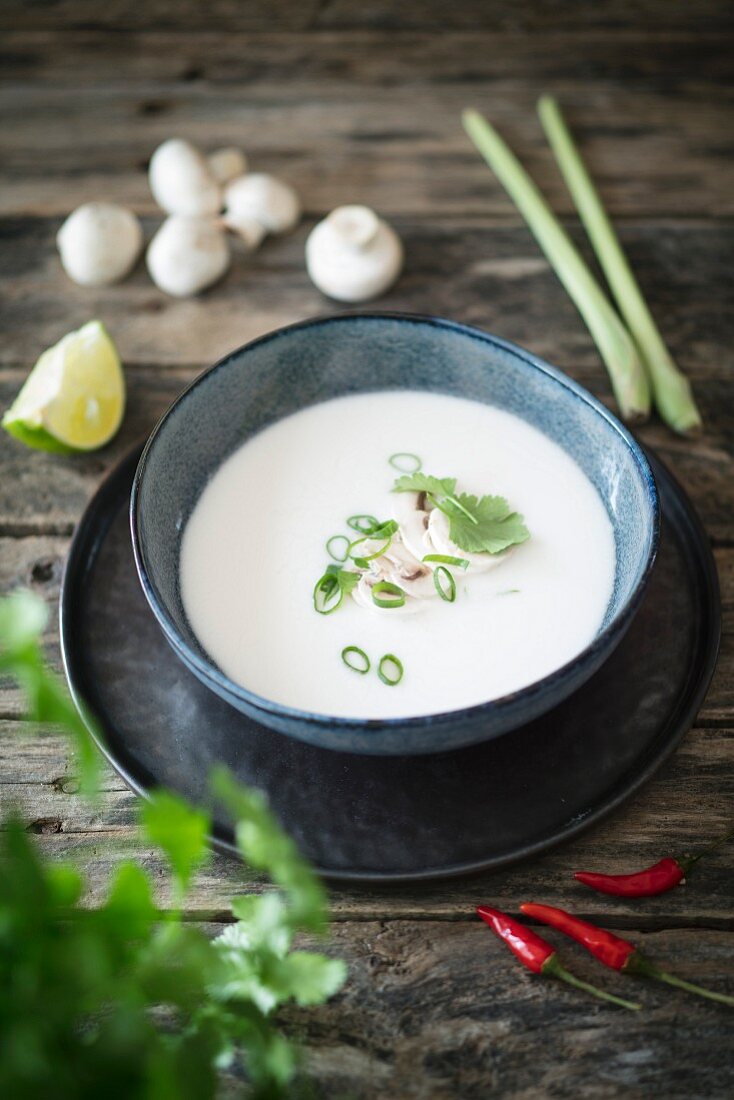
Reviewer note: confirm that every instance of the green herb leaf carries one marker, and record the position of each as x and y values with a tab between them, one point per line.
347	580
424	483
496	527
23	617
80	987
308	978
331	588
265	846
180	830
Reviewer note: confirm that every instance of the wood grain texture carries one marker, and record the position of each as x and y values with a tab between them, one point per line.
468	269
37	776
444	1011
353	119
644	17
361	102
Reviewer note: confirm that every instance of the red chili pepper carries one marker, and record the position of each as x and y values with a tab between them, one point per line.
538	955
612	950
658	879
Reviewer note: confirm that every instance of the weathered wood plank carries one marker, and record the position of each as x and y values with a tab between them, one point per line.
685	65
690	801
464	268
446	1012
655	147
524	16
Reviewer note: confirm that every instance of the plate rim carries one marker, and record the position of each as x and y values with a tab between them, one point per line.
88	536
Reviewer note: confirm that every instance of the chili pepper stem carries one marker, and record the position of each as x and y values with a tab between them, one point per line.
552	968
687	862
641	965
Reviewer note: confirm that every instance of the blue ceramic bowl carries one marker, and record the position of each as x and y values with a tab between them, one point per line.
298	366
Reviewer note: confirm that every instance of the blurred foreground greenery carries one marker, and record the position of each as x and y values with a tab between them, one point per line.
125	1000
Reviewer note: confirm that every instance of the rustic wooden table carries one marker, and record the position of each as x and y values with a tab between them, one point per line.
360	102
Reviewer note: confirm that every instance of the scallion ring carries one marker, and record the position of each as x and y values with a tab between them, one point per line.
390	670
405	462
364	662
333	553
382	534
363	523
446	559
327	593
445	588
387	594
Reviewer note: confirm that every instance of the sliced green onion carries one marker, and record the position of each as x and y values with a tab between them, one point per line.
614	342
446	559
383	533
334	553
327	593
364	662
390	670
671	389
405	462
387	594
363	523
445	588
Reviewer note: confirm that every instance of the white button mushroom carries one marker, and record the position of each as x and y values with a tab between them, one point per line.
99	243
265	199
353	255
227	164
182	181
246	228
187	255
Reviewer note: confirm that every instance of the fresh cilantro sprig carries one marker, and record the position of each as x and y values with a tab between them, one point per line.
423	483
476	524
493	526
125	996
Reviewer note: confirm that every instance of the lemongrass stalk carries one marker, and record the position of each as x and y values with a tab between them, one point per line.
670	388
629	381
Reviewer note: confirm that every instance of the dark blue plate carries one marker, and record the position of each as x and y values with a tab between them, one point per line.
394	819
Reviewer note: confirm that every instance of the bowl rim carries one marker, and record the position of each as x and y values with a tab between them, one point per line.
213	676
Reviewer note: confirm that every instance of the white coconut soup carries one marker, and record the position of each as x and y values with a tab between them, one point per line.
255	547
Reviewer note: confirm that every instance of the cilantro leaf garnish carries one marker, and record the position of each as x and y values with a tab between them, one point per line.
496	526
424	483
480	525
345	578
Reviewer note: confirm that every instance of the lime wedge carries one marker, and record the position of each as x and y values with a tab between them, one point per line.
74	398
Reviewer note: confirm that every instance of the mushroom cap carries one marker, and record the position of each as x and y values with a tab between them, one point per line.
352	255
182	181
227	164
99	243
187	255
265	198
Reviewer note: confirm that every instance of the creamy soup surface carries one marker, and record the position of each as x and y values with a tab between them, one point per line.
254	547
